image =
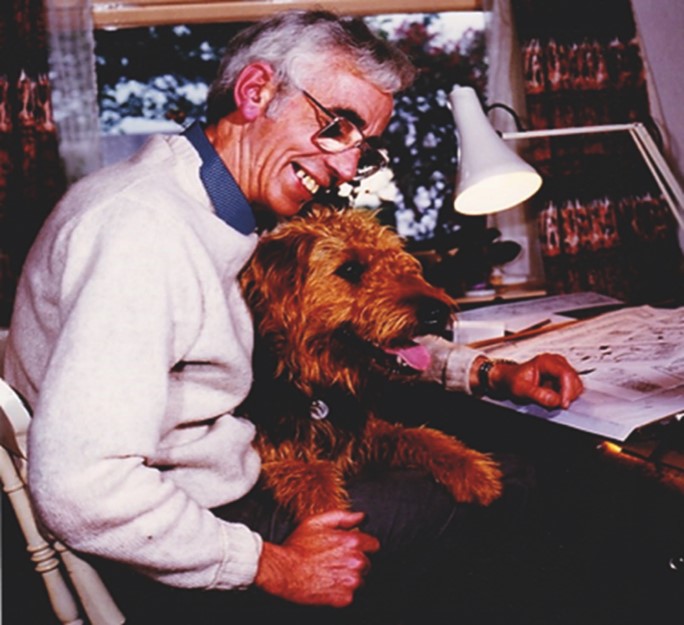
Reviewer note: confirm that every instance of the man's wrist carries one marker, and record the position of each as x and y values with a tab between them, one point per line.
491	375
269	576
483	372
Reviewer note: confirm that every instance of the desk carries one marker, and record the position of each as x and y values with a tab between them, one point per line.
503	293
660	445
611	483
631	361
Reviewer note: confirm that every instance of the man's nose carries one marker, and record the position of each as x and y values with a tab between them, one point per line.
344	164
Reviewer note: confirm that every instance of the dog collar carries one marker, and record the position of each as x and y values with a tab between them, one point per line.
318	410
229	201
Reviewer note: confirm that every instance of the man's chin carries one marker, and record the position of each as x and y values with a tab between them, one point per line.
268	216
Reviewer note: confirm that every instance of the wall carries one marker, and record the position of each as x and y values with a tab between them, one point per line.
660	24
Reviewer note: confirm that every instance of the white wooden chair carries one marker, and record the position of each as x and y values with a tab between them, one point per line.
76	592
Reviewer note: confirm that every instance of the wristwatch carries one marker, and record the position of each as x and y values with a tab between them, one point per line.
484	370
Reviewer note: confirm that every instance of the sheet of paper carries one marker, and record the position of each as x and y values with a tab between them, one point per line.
470	331
631	362
518	316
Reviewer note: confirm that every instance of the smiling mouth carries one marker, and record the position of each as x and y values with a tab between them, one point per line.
309	183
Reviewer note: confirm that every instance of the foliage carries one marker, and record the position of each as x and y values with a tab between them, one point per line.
421	134
157	72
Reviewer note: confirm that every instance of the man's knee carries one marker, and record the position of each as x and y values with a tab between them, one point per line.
408	509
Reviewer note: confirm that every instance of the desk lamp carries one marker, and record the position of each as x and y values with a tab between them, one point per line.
492	177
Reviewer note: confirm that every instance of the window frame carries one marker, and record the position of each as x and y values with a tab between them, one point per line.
141	13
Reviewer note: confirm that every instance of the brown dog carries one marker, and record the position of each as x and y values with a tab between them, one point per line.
336	303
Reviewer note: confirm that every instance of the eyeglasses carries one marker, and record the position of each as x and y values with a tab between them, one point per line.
340	134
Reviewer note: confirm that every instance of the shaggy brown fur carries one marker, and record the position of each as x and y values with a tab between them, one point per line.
331	293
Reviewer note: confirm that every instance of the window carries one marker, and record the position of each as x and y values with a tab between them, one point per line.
136	13
153	79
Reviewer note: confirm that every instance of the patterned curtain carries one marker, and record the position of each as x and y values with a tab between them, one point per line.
31	176
74	85
603	224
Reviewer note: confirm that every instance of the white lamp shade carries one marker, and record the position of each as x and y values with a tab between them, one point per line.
491	176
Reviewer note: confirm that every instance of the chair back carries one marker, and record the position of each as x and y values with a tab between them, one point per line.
84	597
4	333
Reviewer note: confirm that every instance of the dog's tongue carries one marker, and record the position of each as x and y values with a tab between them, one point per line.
415	356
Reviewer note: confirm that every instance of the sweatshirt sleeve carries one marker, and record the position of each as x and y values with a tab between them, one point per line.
450	363
102	407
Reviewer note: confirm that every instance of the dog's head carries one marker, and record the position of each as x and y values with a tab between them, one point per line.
336	298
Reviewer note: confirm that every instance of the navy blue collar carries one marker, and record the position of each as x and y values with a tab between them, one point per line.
229	201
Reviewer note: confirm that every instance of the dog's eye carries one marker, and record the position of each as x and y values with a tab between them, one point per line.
351	271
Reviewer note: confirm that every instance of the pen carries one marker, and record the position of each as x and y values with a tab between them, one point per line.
545	327
535	326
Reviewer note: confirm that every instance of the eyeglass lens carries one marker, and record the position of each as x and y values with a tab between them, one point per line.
338	135
341	134
372	159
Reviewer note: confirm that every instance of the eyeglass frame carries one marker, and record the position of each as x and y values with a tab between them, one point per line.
362	143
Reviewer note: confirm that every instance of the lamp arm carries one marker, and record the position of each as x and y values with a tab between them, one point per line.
564	132
668	184
662	173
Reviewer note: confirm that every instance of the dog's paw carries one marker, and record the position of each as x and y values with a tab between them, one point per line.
476	478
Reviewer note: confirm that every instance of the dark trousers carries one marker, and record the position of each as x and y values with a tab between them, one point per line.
438	559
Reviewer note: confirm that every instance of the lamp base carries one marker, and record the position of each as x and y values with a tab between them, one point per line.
480	292
513	279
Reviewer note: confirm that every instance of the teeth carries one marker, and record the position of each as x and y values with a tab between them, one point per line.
311	185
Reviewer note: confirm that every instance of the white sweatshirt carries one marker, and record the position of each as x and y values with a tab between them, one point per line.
131	341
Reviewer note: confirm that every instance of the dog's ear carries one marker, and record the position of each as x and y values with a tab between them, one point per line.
277	271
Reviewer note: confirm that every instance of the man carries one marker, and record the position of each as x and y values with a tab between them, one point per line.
132	343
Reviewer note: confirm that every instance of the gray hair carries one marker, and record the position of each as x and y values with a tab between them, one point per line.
286	39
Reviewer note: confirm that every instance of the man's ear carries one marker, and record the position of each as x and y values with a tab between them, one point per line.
254	90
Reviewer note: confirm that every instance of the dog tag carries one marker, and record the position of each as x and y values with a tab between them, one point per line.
319	410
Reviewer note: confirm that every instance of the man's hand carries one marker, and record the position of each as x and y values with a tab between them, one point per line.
547	379
321	563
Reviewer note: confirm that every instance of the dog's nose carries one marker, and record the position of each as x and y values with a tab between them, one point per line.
433	315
